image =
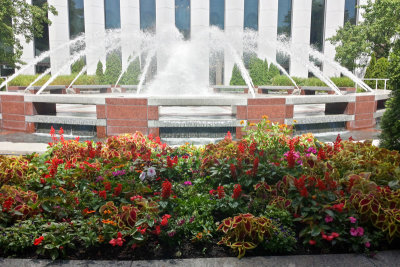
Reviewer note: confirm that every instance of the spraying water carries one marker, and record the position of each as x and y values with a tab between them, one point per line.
47	71
149	57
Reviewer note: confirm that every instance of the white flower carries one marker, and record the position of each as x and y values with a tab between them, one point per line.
151	172
142	176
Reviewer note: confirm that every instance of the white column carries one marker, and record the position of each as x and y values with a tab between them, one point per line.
130	27
94	34
234	19
165	20
334	18
199	24
301	26
28	50
267	28
59	35
360	11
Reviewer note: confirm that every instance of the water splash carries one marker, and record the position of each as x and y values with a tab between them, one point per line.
47	71
149	58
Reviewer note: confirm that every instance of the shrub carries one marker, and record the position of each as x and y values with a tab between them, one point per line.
237	78
314	82
258	70
343	82
78	65
390	124
132	73
99	70
283	80
113	68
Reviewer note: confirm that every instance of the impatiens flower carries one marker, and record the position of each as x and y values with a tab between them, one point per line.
119	241
151	172
164	220
187	183
357	232
328	219
367	244
352	219
335	235
312	242
38	241
171	234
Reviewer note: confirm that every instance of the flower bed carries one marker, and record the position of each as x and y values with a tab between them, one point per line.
134	197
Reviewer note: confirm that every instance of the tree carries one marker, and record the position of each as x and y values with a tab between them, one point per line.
113	67
131	76
375	34
17	18
237	78
390	124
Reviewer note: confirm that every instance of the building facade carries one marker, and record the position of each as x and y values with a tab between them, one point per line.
304	21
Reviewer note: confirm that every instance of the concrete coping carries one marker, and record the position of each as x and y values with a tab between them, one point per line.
195	123
66	120
320	119
229	86
129	86
379	113
382	95
316	88
105	86
320	99
216	100
66	99
276	87
50	87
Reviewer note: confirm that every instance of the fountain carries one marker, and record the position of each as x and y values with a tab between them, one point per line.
180	81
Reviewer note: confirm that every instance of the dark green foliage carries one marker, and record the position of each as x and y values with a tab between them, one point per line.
113	68
78	65
131	75
99	70
371	66
236	77
390	124
377	69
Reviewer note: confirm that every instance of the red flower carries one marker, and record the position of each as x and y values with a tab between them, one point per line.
38	241
157	231
233	171
117	190
237	190
103	194
221	192
312	242
107	186
119	241
166	189
165	218
228	136
255	166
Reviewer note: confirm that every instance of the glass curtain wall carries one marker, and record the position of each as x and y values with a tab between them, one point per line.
41	44
250	23
76	27
112	14
284	28
317	32
5	49
217	19
350	11
182	17
148	15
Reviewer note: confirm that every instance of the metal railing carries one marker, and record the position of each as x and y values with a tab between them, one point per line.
376	82
5	79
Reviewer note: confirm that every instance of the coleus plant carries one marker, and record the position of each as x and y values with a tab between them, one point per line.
244	232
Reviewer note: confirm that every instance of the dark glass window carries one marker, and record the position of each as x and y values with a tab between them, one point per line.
182	17
76	18
217	13
112	14
5	49
41	44
285	17
148	15
350	11
251	15
317	24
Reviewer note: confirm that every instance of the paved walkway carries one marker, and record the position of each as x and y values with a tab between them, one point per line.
386	258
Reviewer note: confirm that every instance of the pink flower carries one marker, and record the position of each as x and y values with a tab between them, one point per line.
357	232
119	241
328	219
367	244
352	219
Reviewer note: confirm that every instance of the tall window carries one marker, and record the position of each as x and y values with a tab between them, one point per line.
251	14
284	27
148	15
41	44
317	24
350	11
182	17
217	18
112	14
5	49
76	18
217	13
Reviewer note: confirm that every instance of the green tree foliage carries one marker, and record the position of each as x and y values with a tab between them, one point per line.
78	65
113	68
390	124
236	77
260	72
131	75
99	69
377	69
374	34
20	18
371	66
